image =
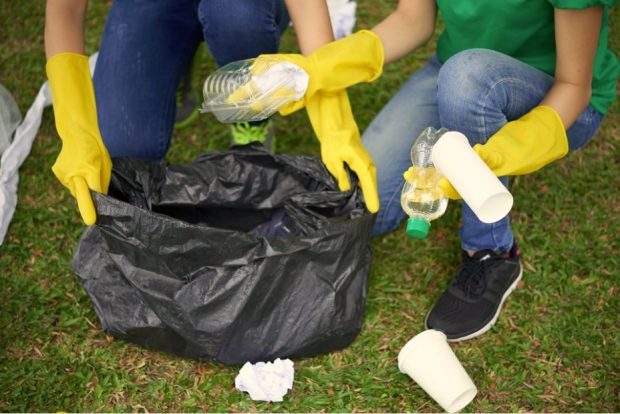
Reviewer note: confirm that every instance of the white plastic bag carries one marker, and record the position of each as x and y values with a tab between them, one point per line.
10	117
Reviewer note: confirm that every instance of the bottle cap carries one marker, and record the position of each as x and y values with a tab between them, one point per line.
417	228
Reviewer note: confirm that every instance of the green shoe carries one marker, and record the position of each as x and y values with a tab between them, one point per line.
244	134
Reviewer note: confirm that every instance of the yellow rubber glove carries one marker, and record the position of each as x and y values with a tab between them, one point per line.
332	120
83	163
335	66
522	146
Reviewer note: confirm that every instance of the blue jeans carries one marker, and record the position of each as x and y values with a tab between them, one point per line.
475	92
148	46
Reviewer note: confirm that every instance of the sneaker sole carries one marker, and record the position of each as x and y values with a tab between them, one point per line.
489	325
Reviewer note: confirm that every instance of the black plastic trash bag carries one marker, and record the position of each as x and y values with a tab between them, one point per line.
238	256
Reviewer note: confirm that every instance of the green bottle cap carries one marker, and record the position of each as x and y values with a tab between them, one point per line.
417	228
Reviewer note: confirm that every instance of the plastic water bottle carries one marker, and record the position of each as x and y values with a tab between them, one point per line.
422	198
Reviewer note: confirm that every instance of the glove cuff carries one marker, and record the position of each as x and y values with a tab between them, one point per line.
372	43
73	95
549	115
554	127
62	65
348	61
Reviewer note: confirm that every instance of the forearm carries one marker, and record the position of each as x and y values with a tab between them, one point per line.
576	34
410	26
311	22
569	100
64	26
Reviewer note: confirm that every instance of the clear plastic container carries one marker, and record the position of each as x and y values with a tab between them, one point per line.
243	91
422	198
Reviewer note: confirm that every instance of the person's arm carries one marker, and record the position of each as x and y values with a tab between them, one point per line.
311	22
576	38
353	59
539	137
64	26
410	26
83	163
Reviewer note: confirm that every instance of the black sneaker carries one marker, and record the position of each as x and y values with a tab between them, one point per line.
471	304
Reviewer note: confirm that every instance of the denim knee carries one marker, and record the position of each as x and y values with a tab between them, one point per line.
469	92
479	90
241	29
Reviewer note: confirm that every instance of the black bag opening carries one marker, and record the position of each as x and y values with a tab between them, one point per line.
237	256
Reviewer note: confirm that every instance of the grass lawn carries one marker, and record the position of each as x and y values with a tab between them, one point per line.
555	348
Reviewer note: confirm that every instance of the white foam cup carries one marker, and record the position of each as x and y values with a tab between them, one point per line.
483	192
429	361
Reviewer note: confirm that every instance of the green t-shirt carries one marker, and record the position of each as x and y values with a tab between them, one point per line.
524	30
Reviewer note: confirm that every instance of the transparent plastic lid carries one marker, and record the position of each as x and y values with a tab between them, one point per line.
252	89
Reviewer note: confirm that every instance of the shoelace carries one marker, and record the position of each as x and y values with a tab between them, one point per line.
470	278
244	133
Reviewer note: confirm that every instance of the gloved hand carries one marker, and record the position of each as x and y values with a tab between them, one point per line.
83	162
331	68
332	120
521	146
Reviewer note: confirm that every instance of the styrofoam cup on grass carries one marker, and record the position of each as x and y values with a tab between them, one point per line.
483	192
429	361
